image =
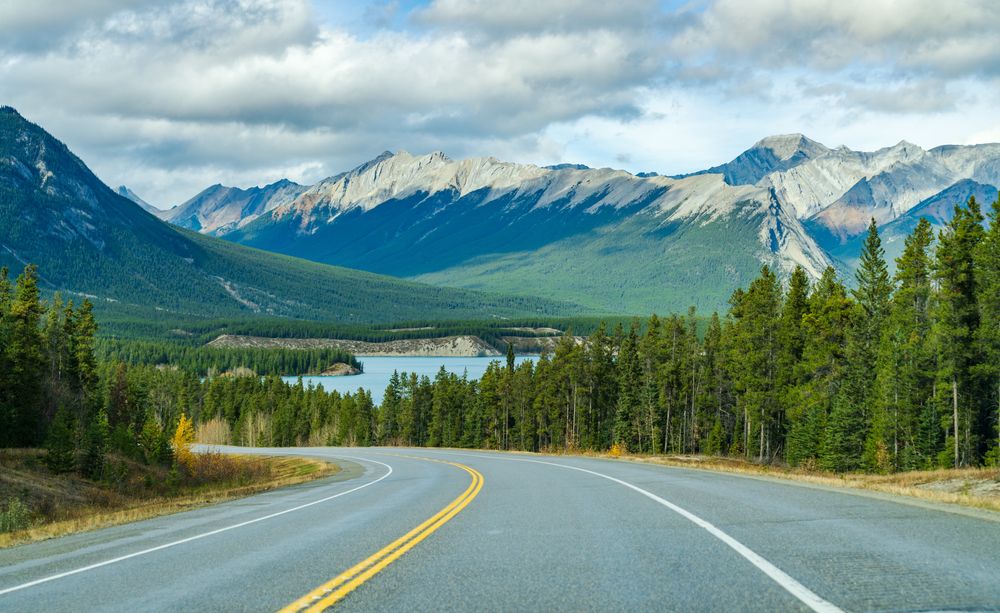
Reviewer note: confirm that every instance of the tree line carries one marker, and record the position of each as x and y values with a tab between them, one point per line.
210	361
899	372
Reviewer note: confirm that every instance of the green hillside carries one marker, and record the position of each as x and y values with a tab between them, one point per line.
637	265
90	241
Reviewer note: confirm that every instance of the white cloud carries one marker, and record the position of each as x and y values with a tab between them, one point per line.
171	96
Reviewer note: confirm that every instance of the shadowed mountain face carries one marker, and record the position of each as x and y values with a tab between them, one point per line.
608	239
90	241
572	232
771	154
219	209
939	209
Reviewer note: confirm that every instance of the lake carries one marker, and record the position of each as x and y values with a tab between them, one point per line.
378	371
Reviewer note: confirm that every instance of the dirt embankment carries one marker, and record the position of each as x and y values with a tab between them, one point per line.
340	369
37	504
448	346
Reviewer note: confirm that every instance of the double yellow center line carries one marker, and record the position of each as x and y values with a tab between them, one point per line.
343	584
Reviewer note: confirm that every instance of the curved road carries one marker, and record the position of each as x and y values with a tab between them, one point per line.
527	533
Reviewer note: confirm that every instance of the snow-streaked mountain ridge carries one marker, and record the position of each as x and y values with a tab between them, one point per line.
557	230
698	199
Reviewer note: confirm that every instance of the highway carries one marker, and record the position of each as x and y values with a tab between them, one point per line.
447	530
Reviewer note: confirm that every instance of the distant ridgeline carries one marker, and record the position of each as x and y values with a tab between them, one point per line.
188	332
613	241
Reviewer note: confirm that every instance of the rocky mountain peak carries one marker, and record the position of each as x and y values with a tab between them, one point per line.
785	146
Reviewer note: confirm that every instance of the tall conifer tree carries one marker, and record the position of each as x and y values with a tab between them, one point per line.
6	402
823	364
957	322
904	366
988	267
27	360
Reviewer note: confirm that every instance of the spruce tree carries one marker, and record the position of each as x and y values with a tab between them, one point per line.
95	446
61	444
792	340
154	444
988	268
851	440
6	402
84	360
366	418
629	377
823	364
874	287
56	345
957	323
660	371
714	361
27	361
757	361
904	366
388	415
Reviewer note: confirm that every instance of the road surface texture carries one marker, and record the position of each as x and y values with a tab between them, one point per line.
511	532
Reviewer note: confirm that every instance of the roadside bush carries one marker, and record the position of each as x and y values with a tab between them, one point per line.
15	515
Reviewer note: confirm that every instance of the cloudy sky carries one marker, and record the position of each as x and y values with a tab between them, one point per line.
170	97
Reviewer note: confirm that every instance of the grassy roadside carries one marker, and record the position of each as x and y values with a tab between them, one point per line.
970	487
40	505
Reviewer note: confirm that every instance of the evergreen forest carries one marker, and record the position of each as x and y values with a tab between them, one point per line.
887	373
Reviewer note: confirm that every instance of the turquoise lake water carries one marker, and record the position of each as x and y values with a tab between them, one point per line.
378	370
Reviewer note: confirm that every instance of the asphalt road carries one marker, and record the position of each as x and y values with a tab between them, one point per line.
538	533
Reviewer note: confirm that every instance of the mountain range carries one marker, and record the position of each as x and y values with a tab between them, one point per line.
89	240
611	240
424	236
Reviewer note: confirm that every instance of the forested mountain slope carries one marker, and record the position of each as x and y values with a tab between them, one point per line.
89	240
615	241
609	239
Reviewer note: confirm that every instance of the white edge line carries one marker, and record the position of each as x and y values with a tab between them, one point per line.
793	587
197	536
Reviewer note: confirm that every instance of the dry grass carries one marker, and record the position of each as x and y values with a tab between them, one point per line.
970	487
65	504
